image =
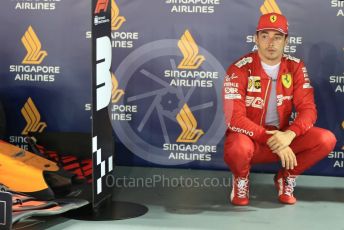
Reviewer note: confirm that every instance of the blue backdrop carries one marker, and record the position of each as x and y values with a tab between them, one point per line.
169	59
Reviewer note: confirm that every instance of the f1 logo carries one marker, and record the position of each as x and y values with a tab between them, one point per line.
101	6
104	82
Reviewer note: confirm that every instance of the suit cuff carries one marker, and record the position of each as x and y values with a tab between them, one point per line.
295	129
263	137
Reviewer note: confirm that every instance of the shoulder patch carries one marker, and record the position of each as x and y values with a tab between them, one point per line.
243	62
288	57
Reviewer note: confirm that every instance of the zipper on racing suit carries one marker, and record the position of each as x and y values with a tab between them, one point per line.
264	107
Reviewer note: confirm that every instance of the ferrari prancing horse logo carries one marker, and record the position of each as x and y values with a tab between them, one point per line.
287	80
273	18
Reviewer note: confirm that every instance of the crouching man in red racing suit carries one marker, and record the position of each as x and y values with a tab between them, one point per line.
259	92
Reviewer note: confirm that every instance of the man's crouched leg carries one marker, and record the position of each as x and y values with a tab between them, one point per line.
309	148
238	153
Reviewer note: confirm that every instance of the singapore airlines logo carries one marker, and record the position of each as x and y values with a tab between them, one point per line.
189	49
188	124
270	6
32	117
116	93
35	54
116	20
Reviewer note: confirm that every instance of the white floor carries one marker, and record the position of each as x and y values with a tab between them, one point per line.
181	199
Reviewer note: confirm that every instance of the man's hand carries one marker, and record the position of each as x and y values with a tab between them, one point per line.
279	139
288	158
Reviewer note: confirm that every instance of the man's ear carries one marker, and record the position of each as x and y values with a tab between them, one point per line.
255	38
286	40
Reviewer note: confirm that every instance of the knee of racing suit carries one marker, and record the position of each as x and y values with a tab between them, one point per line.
327	141
238	152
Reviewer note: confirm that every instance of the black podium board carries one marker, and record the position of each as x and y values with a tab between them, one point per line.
102	144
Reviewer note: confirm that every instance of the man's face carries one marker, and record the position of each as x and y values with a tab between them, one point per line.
271	44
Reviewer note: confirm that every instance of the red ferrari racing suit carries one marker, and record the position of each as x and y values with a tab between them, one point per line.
246	92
